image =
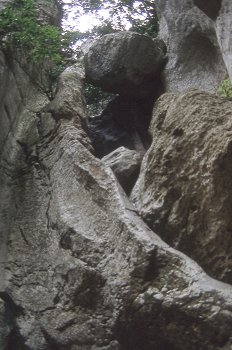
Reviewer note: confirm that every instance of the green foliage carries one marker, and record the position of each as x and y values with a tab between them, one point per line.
225	89
38	42
96	99
140	14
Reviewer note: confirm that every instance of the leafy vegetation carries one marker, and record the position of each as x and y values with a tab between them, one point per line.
21	29
50	47
41	44
225	89
96	99
140	15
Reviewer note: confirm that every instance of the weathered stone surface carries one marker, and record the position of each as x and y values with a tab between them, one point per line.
69	101
125	164
224	33
80	269
195	58
184	190
125	62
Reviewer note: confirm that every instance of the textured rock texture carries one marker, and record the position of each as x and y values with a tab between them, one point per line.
224	33
184	190
196	58
79	269
125	62
125	164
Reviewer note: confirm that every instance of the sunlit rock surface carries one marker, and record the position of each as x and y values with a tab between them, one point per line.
198	36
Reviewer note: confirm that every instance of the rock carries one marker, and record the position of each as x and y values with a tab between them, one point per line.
184	191
125	164
5	326
125	62
210	8
224	33
195	58
123	122
79	268
67	102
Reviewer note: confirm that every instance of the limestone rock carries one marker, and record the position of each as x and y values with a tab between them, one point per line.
195	56
79	268
125	164
224	33
184	191
125	62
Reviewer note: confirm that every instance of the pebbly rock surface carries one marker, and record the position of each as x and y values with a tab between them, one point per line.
184	191
197	34
127	63
125	164
79	268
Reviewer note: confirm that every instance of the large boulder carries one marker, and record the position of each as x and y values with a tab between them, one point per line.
126	62
184	191
195	55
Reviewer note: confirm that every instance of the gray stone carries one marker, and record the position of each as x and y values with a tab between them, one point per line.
125	62
184	191
80	269
224	33
125	164
195	55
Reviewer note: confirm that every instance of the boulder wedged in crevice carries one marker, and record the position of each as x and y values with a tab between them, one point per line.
184	188
126	63
125	164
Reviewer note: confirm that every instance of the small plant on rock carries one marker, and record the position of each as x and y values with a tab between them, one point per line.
225	89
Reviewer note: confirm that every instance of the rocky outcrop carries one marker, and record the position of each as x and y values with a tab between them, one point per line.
184	191
79	268
224	33
125	164
127	63
196	58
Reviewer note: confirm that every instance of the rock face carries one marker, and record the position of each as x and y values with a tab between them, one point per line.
191	30
184	191
224	33
79	267
125	164
127	63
